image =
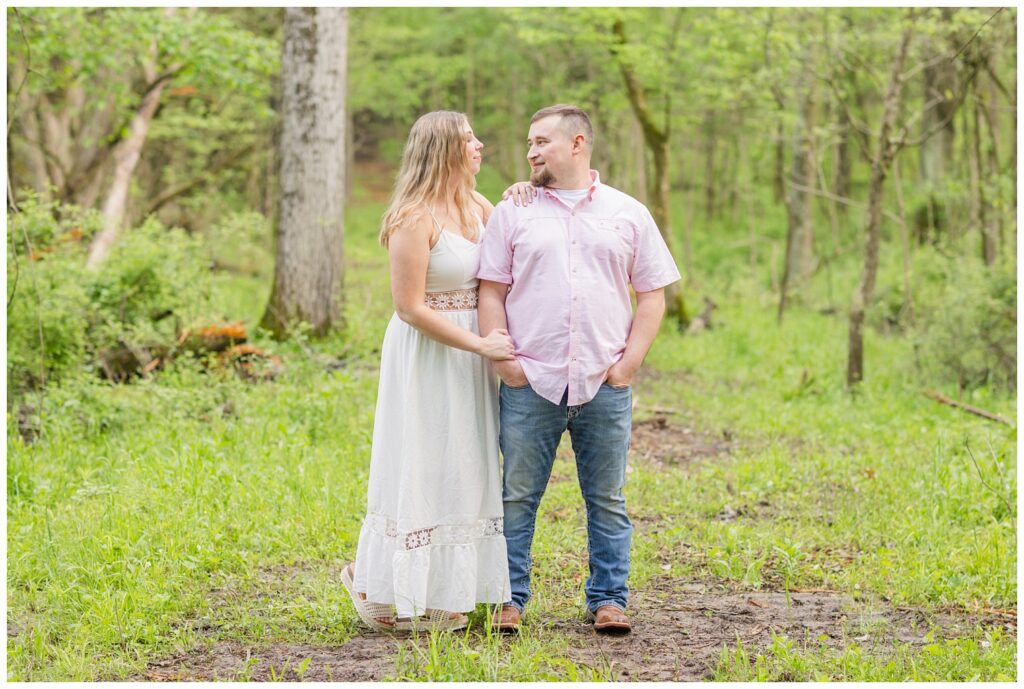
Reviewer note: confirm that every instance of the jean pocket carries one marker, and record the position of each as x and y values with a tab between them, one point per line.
617	387
515	387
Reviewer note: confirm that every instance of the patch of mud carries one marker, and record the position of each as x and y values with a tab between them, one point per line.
658	444
680	629
365	658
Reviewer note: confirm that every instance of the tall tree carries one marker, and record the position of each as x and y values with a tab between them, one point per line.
882	156
126	155
657	136
310	227
799	196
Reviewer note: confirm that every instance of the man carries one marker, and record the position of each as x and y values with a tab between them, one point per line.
556	273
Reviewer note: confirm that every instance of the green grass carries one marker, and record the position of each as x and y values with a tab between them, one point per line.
984	656
142	509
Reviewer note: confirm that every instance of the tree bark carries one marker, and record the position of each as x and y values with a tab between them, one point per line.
982	203
881	159
308	272
126	157
936	153
843	160
710	147
657	140
908	295
799	200
997	215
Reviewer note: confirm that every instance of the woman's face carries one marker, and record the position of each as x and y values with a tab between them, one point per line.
473	148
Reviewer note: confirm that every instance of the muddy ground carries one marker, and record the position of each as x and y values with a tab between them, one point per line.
680	627
679	632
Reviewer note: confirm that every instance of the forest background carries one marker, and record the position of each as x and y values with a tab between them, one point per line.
830	407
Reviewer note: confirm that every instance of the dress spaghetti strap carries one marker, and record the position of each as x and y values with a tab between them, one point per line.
434	218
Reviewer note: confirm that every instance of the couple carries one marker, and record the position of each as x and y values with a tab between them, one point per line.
548	275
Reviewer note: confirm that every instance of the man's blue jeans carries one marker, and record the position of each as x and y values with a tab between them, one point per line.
531	428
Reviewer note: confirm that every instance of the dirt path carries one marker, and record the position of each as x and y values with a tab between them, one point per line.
680	630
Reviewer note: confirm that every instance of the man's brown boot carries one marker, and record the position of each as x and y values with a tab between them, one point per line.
507	619
610	620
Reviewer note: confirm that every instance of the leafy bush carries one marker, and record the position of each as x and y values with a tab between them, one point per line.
63	317
241	242
968	335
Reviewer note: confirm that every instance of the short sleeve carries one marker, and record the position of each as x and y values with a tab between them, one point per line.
653	265
495	249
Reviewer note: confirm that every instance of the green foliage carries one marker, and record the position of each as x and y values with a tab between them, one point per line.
241	242
969	335
63	317
46	325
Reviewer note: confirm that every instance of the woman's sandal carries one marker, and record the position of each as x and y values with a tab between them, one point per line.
432	620
370	613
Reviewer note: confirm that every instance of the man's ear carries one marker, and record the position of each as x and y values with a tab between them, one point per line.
579	142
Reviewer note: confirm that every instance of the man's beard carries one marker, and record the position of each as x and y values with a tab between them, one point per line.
541	177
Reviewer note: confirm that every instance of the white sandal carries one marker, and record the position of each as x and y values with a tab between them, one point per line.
433	620
369	612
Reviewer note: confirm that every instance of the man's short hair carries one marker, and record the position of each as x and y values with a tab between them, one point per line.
574	120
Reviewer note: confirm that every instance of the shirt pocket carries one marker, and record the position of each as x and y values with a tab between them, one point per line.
613	240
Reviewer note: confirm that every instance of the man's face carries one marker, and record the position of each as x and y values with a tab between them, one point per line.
550	151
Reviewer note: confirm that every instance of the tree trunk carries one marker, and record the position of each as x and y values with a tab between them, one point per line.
34	157
748	193
799	198
908	295
710	146
639	161
936	154
880	161
997	214
843	161
982	203
779	178
308	272
126	157
657	140
658	195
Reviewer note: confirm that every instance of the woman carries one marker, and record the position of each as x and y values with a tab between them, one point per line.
431	545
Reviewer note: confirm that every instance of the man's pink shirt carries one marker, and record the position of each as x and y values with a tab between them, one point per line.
568	307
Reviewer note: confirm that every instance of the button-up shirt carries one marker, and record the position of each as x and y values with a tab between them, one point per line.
569	271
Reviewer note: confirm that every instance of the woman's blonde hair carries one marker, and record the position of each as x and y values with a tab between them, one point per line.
434	168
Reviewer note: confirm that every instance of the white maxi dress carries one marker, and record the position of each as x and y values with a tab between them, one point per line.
433	533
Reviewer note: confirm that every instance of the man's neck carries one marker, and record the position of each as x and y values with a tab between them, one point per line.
577	182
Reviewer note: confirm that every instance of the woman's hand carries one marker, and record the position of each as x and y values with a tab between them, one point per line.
497	346
522	193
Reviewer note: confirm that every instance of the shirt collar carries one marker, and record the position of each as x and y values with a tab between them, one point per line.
595	183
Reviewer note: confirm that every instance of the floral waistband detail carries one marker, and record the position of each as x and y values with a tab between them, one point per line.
455	300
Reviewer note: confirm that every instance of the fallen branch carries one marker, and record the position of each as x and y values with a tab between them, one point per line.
942	399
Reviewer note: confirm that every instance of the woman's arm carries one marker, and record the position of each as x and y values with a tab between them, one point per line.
409	255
